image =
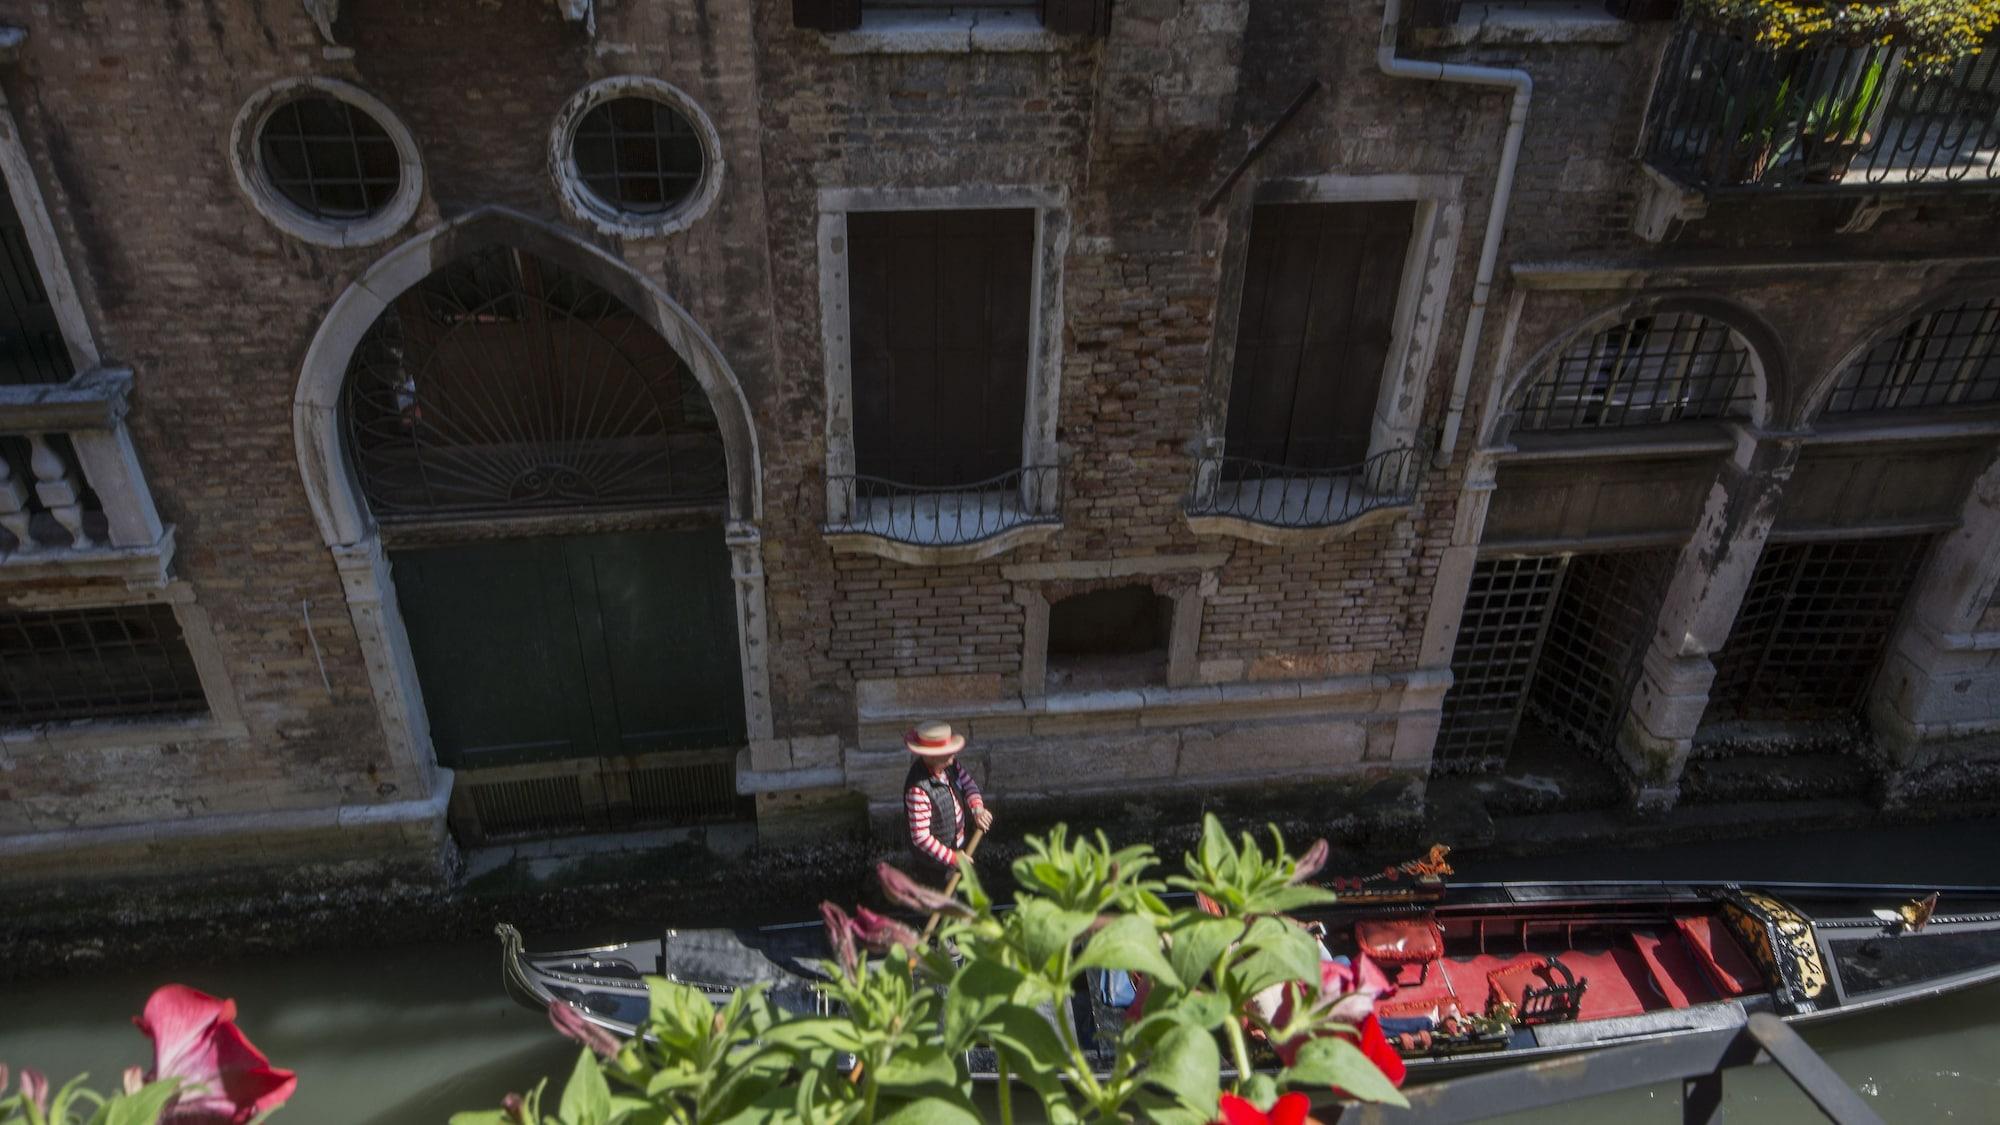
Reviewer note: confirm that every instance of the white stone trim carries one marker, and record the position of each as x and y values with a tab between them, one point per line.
44	244
944	33
1184	637
577	197
247	160
1044	391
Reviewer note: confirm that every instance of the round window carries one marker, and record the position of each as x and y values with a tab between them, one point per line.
635	156
325	162
330	159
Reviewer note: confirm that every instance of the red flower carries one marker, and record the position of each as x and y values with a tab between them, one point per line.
1288	1110
225	1080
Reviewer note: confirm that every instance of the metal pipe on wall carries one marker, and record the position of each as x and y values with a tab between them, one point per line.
1523	87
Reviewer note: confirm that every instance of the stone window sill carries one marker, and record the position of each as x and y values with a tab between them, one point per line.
946	33
1665	439
846	542
1272	536
87	734
136	567
1526	24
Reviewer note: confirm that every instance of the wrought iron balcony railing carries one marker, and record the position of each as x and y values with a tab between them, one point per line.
945	515
1730	115
1299	499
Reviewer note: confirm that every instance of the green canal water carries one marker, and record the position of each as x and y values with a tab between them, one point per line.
411	1034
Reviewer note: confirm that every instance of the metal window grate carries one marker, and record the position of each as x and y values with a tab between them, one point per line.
329	158
694	793
1950	357
530	806
637	155
1662	368
1813	628
1506	611
1597	637
95	664
503	384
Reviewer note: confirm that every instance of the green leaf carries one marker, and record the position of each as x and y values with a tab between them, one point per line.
1165	1110
586	1100
1261	1089
973	995
1047	930
1280	952
1331	1061
475	1117
1287	900
1031	1042
1204	1010
923	1066
801	1034
1188	1064
678	1006
1129	942
931	1111
1215	849
1198	943
142	1108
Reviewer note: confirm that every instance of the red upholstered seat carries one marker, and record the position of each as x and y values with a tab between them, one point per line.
1673	969
1513	982
1731	968
1400	941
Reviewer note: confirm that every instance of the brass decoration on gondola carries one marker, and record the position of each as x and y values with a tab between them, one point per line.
1781	940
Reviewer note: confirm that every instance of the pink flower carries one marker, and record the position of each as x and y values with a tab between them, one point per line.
840	935
1309	863
880	934
907	892
35	1088
571	1023
225	1080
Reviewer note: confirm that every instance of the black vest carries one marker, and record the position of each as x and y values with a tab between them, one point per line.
944	812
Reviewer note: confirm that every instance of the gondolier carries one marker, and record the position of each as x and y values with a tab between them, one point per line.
939	796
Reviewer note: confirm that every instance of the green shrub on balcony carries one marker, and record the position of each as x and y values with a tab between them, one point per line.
1934	34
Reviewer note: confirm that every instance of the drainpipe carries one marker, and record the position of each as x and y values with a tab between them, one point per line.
1503	187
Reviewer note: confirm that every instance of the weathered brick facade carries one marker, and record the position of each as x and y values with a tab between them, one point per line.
1322	663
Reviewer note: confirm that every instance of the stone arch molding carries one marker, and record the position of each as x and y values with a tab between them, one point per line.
1813	404
349	530
1766	354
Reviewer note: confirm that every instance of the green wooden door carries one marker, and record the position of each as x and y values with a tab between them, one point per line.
574	646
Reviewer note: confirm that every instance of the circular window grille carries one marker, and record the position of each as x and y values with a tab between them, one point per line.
330	159
635	156
325	162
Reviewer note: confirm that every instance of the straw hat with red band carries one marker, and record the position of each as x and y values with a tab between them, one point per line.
933	740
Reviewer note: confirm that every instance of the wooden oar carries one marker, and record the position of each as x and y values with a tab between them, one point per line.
951	884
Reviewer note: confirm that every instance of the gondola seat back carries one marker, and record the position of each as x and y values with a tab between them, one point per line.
1541	989
1730	969
1397	942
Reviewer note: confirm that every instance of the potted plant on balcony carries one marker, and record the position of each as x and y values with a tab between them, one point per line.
1837	123
1933	35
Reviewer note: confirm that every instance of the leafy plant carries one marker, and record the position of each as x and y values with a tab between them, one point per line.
1935	33
893	1049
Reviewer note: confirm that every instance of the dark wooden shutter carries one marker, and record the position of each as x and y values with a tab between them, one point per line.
1077	17
826	15
939	318
1319	297
31	343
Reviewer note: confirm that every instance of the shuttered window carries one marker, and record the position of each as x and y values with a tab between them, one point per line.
1319	294
1065	17
939	315
31	343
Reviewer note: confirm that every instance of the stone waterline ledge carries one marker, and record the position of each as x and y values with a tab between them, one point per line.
1166	738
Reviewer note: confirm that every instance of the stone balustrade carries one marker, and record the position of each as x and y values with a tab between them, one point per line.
72	496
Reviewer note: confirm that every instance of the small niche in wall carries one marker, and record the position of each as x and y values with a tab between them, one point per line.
1116	638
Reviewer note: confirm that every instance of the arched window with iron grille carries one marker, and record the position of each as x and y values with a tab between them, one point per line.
503	384
1947	357
1659	367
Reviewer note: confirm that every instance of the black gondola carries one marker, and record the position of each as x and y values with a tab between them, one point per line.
1565	966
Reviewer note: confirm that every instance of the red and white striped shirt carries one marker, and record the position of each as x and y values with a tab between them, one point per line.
917	807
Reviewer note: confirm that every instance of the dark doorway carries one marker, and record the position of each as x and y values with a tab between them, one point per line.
1109	639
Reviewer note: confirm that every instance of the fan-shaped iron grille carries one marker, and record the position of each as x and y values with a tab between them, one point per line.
1950	357
1661	368
502	384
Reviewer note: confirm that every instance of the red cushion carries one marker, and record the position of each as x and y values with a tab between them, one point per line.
1513	982
1400	941
1725	960
1674	971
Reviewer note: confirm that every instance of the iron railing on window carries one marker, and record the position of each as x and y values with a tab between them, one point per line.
944	515
1728	114
1297	499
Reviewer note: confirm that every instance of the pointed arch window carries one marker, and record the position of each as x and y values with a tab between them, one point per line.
1947	357
503	384
1660	367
